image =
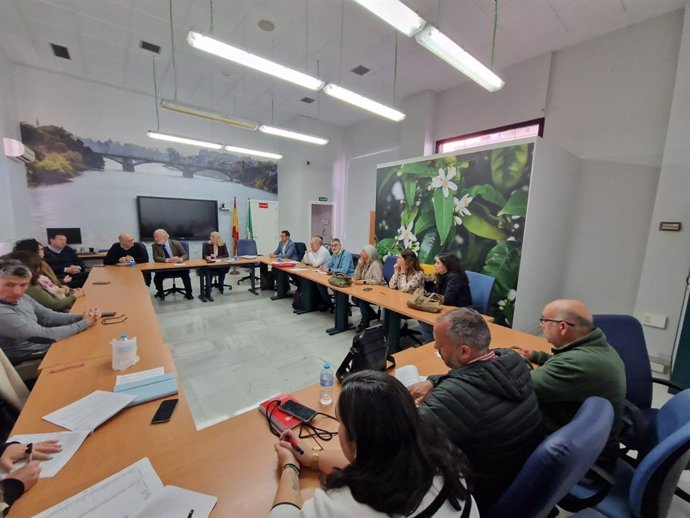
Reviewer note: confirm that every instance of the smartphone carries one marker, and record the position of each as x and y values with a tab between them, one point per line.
164	411
107	314
301	412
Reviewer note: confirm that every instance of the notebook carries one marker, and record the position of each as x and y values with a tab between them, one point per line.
281	420
149	389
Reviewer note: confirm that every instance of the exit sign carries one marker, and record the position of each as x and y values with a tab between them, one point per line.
263	205
323	198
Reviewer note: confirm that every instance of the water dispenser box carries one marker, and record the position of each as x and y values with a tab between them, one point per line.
654	320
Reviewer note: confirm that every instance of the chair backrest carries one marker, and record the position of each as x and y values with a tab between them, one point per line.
355	259
246	247
185	245
300	248
388	269
480	288
557	464
625	335
674	414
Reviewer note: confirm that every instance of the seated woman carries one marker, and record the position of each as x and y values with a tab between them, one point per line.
32	245
214	248
453	284
41	288
408	274
368	271
390	462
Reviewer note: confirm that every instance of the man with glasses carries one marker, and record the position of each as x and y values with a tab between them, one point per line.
583	364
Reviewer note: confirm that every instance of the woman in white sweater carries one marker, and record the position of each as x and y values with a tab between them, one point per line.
391	463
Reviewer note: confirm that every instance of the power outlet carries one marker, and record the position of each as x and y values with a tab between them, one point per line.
654	320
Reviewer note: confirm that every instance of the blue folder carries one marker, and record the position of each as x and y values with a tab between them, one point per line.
150	389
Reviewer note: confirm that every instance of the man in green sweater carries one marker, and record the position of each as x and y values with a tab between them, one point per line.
583	364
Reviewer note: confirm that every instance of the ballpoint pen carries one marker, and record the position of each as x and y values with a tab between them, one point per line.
29	451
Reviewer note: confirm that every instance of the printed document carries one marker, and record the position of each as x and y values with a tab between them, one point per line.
408	375
91	411
70	442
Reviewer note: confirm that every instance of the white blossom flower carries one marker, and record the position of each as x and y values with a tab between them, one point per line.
409	240
443	181
462	204
512	294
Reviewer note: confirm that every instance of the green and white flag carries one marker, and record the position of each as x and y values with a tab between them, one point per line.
250	229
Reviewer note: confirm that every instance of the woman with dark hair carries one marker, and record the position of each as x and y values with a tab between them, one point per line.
408	274
42	289
33	245
391	462
453	284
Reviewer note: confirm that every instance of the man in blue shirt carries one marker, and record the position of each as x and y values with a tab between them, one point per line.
340	262
286	248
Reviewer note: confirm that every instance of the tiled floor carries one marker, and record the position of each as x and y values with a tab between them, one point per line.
241	349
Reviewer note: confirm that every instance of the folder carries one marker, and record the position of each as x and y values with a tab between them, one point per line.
149	389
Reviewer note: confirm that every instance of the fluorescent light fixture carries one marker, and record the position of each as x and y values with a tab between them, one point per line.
253	152
183	140
360	101
279	132
453	54
186	109
396	14
223	50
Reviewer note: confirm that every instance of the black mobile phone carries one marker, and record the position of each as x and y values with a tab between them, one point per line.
164	411
106	314
301	412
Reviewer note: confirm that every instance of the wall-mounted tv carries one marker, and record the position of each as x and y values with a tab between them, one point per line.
187	219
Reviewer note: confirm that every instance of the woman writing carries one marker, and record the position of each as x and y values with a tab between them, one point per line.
368	271
390	462
408	274
213	249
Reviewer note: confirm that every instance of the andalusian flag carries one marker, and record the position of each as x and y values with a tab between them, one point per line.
235	227
250	229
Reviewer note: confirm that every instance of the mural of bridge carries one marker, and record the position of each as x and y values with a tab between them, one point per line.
129	163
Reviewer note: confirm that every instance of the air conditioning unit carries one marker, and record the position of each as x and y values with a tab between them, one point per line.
18	151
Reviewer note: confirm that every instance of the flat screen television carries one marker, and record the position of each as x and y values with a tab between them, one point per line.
72	234
192	220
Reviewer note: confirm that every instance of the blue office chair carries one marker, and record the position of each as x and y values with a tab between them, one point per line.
625	335
300	248
171	275
480	288
646	491
246	247
388	267
557	464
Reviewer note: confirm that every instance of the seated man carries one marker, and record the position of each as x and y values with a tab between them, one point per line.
26	328
64	261
340	262
166	250
316	254
127	250
583	364
486	403
286	248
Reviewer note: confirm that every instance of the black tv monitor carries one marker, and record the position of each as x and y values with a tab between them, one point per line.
73	235
191	220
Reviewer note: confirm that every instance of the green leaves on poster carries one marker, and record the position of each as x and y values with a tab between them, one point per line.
425	221
503	264
516	206
443	213
410	187
430	247
482	224
489	193
507	164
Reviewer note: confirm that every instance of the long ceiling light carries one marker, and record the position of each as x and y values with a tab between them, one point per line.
280	132
253	152
223	50
396	14
360	101
183	140
453	54
186	109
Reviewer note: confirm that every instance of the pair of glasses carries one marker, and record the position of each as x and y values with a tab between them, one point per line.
106	321
542	320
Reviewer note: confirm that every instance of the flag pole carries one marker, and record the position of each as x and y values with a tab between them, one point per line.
235	233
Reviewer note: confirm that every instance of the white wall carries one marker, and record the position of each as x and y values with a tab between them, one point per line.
14	206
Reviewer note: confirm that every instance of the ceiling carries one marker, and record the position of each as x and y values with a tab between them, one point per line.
326	38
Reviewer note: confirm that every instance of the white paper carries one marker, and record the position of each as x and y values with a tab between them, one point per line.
119	496
70	442
248	256
408	375
321	271
175	502
138	376
299	269
90	411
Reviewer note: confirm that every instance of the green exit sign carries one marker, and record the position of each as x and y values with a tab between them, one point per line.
323	198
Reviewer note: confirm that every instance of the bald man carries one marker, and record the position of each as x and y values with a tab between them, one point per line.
583	364
125	250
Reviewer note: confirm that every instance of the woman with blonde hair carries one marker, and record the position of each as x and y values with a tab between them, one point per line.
213	249
368	271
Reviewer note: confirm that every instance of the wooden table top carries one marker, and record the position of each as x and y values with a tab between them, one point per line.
190	264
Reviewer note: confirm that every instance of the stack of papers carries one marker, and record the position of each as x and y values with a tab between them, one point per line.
134	492
70	442
146	385
408	375
89	412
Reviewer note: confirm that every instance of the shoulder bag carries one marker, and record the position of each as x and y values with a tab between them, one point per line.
369	351
340	280
425	301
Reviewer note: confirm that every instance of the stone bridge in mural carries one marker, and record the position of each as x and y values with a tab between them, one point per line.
129	163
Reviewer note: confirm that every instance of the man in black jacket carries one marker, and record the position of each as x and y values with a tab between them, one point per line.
486	403
127	250
64	261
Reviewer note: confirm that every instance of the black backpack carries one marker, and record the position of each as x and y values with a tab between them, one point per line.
369	351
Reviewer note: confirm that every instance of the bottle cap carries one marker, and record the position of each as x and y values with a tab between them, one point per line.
123	336
326	365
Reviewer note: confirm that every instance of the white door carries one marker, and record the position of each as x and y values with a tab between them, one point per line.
321	220
265	225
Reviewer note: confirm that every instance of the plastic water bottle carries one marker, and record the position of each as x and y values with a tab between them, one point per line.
326	385
132	263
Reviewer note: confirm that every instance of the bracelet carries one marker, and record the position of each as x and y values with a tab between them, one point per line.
315	453
291	466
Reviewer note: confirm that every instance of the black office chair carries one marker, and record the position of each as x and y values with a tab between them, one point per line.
174	288
247	247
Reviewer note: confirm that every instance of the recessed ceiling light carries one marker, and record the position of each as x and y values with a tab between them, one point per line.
266	25
60	51
307	100
360	70
150	47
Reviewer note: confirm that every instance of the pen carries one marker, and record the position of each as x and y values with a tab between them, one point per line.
294	444
29	451
191	512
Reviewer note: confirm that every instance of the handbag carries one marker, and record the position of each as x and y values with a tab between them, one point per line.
340	280
425	301
369	351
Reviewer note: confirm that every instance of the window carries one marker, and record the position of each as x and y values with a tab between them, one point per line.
533	128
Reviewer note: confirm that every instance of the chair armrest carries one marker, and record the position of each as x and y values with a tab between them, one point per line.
597	481
667	383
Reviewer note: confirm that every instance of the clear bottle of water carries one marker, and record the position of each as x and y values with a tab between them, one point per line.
132	264
326	385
